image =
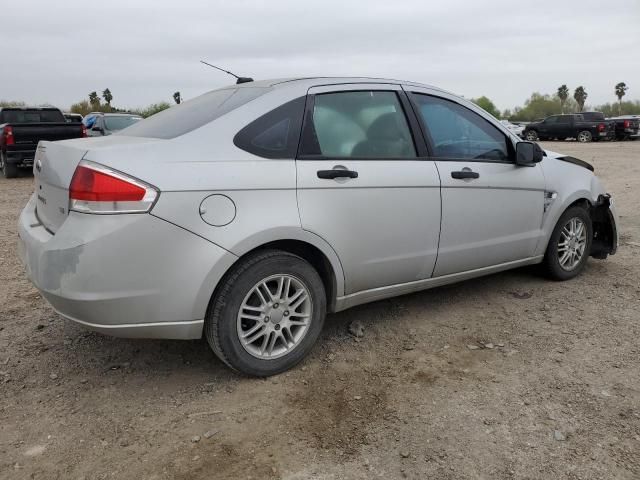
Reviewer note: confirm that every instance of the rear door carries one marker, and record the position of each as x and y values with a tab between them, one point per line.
363	186
548	127
564	126
491	208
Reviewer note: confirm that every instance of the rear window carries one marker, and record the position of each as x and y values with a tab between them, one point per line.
193	114
31	116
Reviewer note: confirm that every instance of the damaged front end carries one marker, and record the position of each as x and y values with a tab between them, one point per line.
605	230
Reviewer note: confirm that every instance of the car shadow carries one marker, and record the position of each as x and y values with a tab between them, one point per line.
93	354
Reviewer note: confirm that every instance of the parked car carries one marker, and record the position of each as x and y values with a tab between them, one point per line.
21	128
248	213
103	124
598	117
517	129
626	126
572	125
73	117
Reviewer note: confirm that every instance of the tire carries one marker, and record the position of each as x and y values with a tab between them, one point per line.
584	136
8	170
531	136
552	262
242	293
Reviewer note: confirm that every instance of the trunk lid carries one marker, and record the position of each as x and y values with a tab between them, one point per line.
55	164
53	169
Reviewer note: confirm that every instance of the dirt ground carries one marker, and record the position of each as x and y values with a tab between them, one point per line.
558	395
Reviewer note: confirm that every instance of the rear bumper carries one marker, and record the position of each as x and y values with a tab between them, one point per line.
123	275
20	157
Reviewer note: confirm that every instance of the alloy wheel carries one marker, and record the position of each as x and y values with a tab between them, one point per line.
572	244
274	316
584	137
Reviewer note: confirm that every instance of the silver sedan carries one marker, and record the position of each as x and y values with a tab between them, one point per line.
248	213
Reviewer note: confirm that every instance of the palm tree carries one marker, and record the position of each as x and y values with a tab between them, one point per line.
106	94
563	94
94	100
580	95
177	98
621	89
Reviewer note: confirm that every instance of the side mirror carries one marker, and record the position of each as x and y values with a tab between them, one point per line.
528	154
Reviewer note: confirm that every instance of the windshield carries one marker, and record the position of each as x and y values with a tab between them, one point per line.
32	116
195	113
120	122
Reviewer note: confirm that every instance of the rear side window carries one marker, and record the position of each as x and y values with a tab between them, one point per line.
457	132
274	134
358	124
193	114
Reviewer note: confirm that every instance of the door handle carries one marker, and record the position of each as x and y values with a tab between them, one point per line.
460	175
337	173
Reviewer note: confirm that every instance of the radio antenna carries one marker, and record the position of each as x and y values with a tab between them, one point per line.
238	79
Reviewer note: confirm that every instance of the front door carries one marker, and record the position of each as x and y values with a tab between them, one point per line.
491	208
363	188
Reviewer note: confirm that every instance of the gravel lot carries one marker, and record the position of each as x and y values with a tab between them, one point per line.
558	395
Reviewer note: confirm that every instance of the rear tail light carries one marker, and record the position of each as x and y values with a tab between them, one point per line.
84	130
7	135
601	127
627	124
98	189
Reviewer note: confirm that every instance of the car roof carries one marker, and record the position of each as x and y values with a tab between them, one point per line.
318	81
29	108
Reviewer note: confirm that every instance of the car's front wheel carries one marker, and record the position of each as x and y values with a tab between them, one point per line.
267	314
570	244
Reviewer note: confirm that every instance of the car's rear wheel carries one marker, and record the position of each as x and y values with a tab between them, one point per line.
8	170
531	136
584	136
570	244
267	314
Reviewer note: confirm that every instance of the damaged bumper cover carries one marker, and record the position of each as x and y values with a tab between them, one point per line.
605	227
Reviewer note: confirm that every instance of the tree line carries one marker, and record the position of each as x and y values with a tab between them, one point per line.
95	103
543	105
535	107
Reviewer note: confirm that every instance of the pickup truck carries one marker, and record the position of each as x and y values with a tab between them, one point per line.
584	128
627	126
21	128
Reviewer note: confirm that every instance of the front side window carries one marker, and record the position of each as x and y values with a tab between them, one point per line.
358	124
120	122
458	132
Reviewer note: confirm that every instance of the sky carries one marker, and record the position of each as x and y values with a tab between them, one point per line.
144	50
